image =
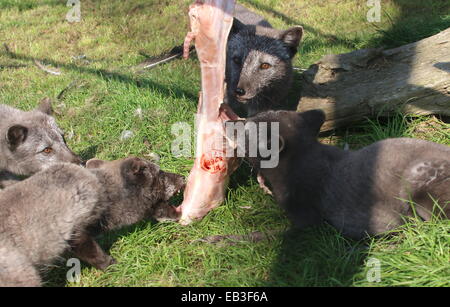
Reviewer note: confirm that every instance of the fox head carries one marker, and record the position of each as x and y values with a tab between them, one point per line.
33	141
275	135
259	66
138	189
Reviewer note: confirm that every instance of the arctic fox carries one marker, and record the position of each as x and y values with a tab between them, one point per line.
30	141
363	192
39	215
259	63
66	206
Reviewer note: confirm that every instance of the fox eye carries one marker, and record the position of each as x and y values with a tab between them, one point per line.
265	66
48	150
237	60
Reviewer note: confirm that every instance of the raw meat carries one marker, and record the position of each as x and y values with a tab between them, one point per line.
211	21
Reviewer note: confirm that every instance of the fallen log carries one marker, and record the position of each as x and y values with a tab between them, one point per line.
211	22
412	79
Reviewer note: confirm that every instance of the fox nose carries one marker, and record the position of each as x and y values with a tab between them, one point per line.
240	91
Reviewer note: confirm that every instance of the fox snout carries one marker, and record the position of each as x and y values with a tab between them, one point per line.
240	92
243	93
173	183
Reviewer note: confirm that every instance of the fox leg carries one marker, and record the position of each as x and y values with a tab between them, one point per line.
88	250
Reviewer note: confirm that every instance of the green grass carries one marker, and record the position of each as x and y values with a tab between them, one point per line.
104	93
418	254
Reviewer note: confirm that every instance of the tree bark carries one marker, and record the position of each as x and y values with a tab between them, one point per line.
412	79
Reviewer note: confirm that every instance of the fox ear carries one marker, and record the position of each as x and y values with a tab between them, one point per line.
313	120
237	26
94	163
134	170
16	135
292	37
45	106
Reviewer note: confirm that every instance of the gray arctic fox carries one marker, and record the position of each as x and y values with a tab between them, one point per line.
259	63
66	206
39	215
30	142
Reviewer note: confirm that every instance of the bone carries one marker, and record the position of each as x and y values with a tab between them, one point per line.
211	21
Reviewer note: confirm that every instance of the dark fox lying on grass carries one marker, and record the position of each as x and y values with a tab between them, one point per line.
363	192
67	206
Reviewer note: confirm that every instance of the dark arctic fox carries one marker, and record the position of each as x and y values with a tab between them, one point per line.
31	141
363	192
259	63
67	206
135	190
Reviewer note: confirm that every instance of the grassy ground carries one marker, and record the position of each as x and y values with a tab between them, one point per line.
103	93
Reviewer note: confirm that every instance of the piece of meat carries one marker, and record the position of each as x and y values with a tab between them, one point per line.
262	184
211	21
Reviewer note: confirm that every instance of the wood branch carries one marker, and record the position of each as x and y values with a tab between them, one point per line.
153	61
253	237
48	70
412	79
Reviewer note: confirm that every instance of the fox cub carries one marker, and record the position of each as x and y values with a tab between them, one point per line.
66	206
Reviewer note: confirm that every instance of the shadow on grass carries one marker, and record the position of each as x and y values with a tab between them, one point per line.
445	66
88	153
173	91
241	175
24	5
317	257
333	39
